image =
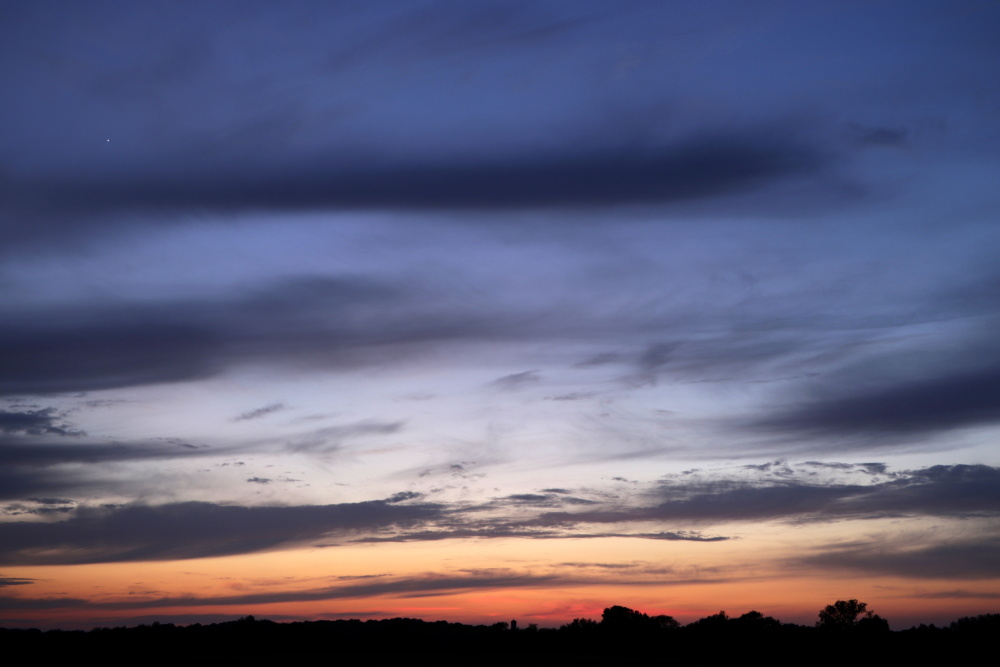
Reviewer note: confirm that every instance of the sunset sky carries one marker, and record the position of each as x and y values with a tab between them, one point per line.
486	310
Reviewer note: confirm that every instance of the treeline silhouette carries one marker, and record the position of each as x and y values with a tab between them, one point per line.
845	630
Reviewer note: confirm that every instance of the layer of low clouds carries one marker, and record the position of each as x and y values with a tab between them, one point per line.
192	530
197	529
966	559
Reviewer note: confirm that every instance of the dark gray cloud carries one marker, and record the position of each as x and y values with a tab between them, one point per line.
873	468
32	468
880	137
35	604
418	586
526	530
192	530
328	321
476	531
946	401
18	482
39	506
35	422
531	499
15	581
546	499
652	360
716	503
958	593
517	381
260	412
52	501
43	452
958	491
968	559
572	396
707	166
328	439
189	530
600	359
100	353
682	536
269	480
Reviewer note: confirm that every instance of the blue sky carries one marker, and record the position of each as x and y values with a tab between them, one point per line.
697	276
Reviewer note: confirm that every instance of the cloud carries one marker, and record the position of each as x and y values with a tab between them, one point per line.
706	166
940	403
102	352
879	137
959	594
330	438
17	482
40	507
957	491
683	536
532	499
43	452
33	468
968	559
517	381
572	396
331	322
418	586
601	359
34	604
15	581
260	412
527	531
35	422
652	360
193	530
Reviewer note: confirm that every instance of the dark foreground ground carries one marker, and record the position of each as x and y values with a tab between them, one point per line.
710	641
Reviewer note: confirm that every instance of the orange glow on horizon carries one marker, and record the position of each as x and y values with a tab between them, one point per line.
548	582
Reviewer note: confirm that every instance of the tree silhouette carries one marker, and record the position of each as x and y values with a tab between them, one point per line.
623	617
756	622
581	625
848	615
664	622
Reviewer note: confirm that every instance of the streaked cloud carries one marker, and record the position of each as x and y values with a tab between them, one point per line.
193	530
257	413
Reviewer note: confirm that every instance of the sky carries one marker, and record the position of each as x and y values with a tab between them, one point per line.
489	310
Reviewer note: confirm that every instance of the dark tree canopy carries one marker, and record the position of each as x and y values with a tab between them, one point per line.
623	617
848	615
